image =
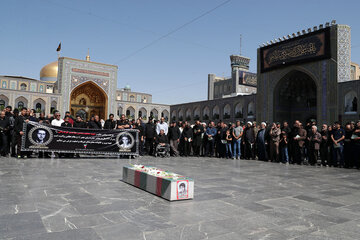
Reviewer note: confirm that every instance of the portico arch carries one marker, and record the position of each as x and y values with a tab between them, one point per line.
295	97
165	114
4	101
90	98
130	112
196	113
142	113
206	113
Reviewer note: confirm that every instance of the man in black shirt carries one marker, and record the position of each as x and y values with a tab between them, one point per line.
95	124
324	145
174	136
110	123
198	131
4	129
162	139
18	128
10	133
141	127
249	138
337	137
79	123
150	133
123	123
66	122
188	138
162	142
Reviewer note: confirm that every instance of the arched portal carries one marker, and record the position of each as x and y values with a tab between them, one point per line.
89	98
130	113
39	105
4	101
227	111
142	113
165	114
295	98
351	102
196	113
206	113
216	113
53	106
238	110
154	114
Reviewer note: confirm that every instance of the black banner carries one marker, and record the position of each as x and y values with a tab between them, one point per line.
307	48
39	137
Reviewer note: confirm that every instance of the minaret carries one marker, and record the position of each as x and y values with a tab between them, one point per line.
88	56
239	64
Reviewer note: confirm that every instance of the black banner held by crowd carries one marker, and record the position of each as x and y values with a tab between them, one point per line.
39	137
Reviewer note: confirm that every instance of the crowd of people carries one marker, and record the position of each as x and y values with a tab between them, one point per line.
332	145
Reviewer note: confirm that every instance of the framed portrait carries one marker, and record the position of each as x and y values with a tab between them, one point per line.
182	189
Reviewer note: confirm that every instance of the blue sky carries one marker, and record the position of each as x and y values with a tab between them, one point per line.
173	69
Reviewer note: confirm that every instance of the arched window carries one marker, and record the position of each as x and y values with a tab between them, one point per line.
20	105
82	101
227	111
165	114
120	111
216	113
23	87
154	113
206	113
238	111
251	109
2	104
53	106
173	115
38	106
196	113
143	113
132	98
130	112
188	114
181	115
351	102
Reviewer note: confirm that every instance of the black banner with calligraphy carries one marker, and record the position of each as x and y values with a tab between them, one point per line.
39	137
307	48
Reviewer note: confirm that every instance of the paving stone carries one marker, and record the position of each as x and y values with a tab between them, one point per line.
86	199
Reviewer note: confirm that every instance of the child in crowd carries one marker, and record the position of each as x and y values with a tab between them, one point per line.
284	148
228	144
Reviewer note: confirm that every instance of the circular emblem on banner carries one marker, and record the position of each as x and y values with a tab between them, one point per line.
40	135
125	141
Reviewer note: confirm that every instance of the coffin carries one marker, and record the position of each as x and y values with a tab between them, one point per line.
165	184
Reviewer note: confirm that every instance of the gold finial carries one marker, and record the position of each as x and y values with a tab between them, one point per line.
88	56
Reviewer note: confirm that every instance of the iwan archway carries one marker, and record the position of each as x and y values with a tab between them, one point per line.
295	98
88	99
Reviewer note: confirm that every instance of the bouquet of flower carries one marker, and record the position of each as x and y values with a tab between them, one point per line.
156	171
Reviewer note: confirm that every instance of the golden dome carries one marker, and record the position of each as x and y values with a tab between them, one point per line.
49	71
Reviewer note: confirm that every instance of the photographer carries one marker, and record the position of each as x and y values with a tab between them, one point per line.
4	128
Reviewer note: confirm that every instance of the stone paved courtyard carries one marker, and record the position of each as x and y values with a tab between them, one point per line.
86	199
